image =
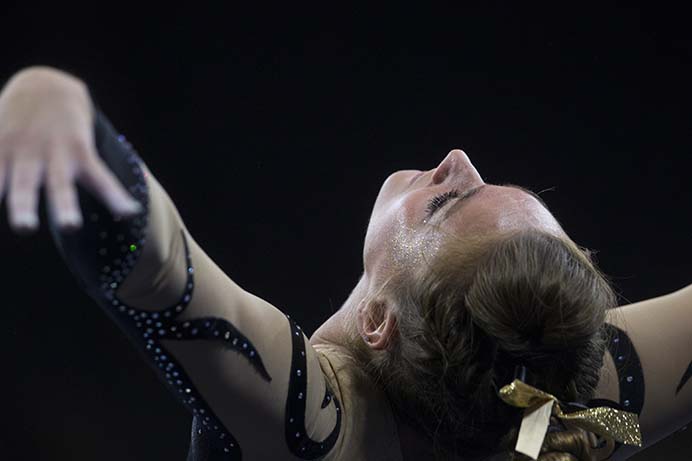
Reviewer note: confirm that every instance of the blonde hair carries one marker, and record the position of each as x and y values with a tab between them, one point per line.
465	319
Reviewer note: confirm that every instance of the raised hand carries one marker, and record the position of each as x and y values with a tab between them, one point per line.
46	138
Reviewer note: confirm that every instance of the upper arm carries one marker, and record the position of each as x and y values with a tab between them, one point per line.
648	364
236	362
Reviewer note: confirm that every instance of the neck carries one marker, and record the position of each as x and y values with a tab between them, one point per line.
340	328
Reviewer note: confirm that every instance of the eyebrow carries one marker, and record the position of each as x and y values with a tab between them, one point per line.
471	192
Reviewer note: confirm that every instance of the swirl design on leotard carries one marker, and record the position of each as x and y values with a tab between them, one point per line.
300	444
105	250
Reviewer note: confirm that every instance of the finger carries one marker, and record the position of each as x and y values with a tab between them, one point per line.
61	192
101	181
22	199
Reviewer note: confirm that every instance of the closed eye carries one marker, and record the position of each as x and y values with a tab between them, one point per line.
436	202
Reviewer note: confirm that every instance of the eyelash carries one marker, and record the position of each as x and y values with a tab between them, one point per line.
439	200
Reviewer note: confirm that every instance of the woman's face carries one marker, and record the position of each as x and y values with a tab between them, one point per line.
415	209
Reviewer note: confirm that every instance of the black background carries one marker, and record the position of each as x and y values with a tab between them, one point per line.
272	129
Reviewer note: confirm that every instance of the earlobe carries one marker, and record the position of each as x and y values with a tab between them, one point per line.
376	323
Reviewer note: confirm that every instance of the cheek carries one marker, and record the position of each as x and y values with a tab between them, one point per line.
383	223
380	217
410	247
393	186
396	240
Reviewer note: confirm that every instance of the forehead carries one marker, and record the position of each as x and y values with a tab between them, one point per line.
498	208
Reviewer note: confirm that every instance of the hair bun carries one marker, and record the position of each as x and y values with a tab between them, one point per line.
537	293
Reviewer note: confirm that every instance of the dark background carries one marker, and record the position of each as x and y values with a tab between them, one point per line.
273	129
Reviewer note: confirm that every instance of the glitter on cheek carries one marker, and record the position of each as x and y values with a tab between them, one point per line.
413	247
397	240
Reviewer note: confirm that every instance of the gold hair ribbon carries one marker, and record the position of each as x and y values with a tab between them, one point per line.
620	425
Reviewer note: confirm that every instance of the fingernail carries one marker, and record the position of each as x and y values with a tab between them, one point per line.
71	219
26	220
133	207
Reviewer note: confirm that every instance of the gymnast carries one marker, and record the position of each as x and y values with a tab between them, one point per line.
478	330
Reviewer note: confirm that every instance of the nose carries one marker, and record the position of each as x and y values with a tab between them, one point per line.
454	165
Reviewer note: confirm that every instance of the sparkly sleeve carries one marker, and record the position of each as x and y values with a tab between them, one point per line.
243	368
648	365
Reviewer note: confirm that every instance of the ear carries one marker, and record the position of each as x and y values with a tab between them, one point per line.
376	322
